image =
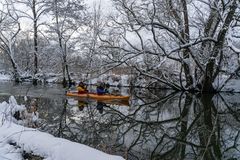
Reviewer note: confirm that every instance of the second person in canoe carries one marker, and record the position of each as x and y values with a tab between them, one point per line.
102	88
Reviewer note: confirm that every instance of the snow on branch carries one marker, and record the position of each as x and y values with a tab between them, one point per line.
200	40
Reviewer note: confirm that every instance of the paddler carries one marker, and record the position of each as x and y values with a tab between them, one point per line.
82	88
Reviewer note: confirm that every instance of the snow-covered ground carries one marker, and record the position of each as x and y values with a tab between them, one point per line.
39	143
232	85
114	80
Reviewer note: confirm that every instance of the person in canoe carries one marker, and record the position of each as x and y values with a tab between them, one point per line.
106	87
102	88
82	88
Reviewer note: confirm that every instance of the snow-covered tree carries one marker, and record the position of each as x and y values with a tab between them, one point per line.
68	17
48	59
33	10
189	34
9	30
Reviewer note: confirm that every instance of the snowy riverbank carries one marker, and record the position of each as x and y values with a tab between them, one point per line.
15	139
114	80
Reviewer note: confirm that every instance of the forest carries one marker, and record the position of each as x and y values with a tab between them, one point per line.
198	40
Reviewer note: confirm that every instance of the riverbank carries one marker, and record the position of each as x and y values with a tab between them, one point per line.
16	139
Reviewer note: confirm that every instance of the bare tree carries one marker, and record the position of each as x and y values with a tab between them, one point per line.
9	29
91	41
158	33
37	8
69	16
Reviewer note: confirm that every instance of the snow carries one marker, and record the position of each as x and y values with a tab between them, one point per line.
112	79
5	77
39	143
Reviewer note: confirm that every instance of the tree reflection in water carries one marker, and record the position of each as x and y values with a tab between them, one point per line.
158	125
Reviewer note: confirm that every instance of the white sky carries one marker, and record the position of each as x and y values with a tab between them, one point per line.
106	5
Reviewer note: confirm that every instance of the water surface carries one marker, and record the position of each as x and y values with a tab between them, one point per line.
158	124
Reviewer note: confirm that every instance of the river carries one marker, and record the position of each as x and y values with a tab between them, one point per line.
157	124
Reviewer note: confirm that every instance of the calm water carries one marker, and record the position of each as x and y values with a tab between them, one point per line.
156	125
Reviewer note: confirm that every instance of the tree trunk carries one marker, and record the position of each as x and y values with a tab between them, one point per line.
187	71
16	75
211	68
66	65
62	50
207	85
35	42
64	82
186	55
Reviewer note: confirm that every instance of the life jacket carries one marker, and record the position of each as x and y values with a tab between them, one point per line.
81	89
100	90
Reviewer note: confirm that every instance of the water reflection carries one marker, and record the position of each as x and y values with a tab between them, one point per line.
81	105
100	106
157	125
160	126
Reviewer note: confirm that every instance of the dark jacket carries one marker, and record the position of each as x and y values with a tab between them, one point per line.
101	90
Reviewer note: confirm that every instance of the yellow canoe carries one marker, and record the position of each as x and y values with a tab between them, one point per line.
98	97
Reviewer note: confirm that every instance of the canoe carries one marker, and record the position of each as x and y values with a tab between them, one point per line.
98	97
